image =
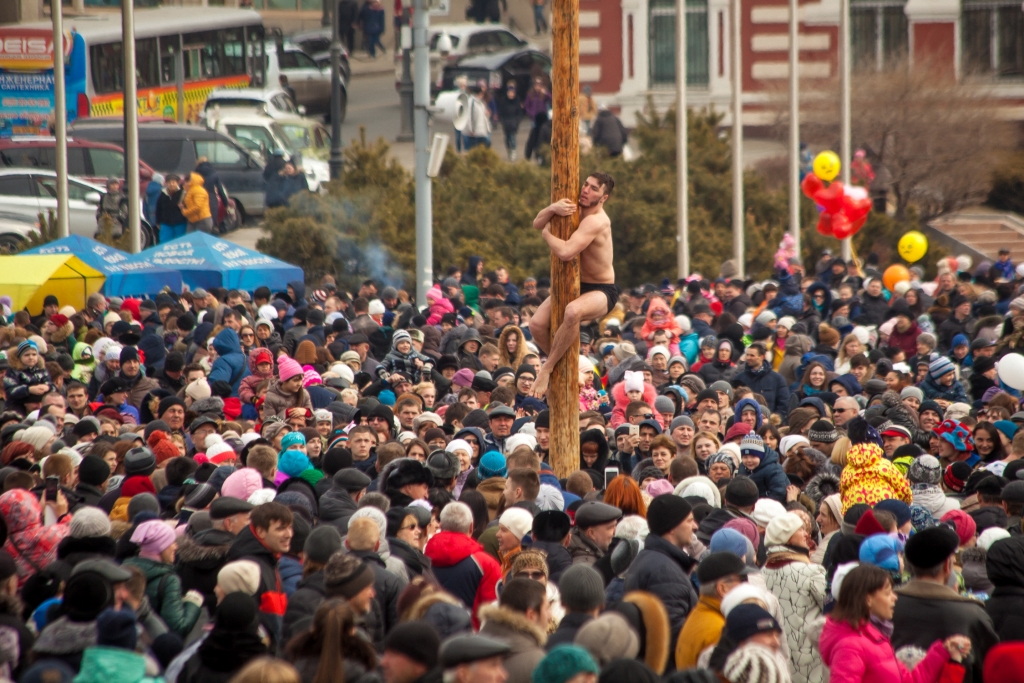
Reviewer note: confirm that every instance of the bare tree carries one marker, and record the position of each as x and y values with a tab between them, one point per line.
932	142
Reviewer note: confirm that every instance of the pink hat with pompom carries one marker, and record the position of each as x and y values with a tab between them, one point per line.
287	368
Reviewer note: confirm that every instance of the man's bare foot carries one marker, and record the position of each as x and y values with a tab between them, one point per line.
540	385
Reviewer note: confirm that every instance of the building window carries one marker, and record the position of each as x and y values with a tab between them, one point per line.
993	38
879	33
663	43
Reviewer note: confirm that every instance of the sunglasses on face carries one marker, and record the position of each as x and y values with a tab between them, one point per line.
536	576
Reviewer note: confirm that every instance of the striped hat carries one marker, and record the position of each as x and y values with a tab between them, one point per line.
27	345
940	367
752	445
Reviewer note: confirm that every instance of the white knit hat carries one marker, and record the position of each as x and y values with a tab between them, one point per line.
782	528
35	436
517	520
241	575
376	307
89	522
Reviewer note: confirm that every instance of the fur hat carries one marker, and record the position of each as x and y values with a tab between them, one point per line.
405	471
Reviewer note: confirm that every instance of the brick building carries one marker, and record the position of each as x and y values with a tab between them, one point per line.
627	47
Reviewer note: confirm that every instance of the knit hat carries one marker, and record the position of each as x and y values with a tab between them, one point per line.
955	433
517	520
964	524
724	458
782	528
162	447
293	463
989	536
241	484
322	542
633	381
882	551
287	368
926	469
608	637
198	390
955	477
912	392
116	629
741	492
823	431
142	502
582	588
746	620
899	509
417	640
492	464
93	470
752	446
241	576
939	367
89	522
868	525
564	663
346	576
754	663
36	436
765	510
665	513
738	429
1005	661
153	537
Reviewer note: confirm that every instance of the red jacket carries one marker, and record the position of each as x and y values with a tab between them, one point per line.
32	545
464	569
864	655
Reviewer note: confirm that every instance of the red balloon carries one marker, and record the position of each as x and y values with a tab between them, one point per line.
831	197
859	223
841	227
825	224
811	185
856	208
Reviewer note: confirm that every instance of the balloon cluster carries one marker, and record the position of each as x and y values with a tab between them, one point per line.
844	208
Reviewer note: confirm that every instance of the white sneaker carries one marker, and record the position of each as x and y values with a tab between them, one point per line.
512	155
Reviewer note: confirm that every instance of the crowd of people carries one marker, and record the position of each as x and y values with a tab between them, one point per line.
807	478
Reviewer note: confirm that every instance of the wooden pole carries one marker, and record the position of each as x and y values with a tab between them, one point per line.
563	391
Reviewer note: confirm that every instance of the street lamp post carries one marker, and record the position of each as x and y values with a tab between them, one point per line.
335	162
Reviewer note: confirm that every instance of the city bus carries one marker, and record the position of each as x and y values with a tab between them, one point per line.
181	55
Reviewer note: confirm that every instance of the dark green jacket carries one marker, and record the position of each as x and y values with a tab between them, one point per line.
163	587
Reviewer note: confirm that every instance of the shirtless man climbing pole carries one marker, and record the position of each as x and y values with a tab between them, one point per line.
592	242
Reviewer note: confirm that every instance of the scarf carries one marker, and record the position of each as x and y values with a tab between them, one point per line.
781	555
884	626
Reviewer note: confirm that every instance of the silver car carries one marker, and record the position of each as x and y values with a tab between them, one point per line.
30	192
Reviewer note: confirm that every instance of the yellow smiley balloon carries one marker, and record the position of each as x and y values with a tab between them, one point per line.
913	246
827	165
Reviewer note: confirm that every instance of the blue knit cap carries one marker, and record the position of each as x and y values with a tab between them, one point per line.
26	345
293	463
960	340
882	551
492	464
939	367
729	540
292	439
899	509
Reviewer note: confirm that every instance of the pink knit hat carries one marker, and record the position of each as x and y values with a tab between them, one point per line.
287	368
153	537
311	376
659	487
242	483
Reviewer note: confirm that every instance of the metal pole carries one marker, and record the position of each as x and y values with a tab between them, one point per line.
179	81
131	125
60	117
738	217
424	207
845	59
682	139
335	162
405	86
794	123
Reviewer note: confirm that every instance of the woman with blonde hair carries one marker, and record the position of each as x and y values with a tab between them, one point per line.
332	650
267	670
703	446
512	347
850	347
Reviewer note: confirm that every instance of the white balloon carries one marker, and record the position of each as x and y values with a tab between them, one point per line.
1011	370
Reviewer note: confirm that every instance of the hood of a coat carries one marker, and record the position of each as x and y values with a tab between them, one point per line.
226	342
864	456
448	548
1005	562
21	510
595	436
196	179
257	356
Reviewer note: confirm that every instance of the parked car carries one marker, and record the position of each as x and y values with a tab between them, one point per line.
497	69
29	192
262	136
92	161
15	230
317	44
311	83
174	148
466	39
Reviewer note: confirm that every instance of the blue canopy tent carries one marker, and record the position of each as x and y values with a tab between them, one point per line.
207	261
127	275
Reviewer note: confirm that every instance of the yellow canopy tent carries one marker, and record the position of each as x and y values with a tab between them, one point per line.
29	279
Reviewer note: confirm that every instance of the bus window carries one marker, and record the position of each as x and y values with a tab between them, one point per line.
106	64
169	59
147	63
231	43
